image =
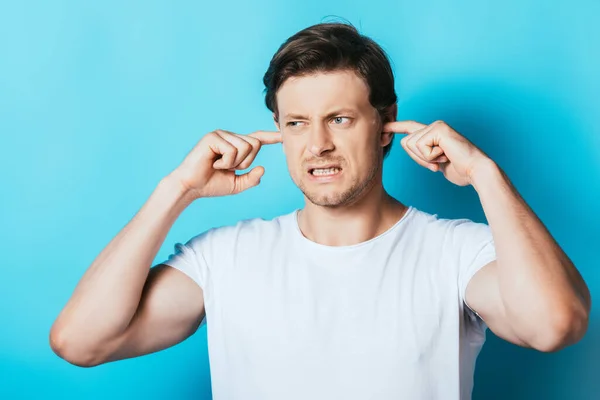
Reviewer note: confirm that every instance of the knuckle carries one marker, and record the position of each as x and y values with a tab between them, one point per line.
231	151
254	141
244	164
439	124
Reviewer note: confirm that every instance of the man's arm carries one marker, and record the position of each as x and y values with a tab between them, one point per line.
118	292
171	309
532	295
120	308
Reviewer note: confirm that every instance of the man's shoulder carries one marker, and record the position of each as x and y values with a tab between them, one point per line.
426	220
442	220
446	225
453	230
254	226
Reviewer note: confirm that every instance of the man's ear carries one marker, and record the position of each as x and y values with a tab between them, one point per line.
389	115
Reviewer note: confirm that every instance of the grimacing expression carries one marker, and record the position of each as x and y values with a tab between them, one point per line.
331	136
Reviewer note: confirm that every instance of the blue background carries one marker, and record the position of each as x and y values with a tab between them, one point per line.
100	100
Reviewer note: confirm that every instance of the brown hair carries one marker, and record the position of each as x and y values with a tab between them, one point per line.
328	47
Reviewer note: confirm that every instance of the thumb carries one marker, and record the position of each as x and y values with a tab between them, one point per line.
248	180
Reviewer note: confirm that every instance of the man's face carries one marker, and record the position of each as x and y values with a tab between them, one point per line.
331	136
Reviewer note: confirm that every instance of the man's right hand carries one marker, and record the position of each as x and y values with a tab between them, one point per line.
209	169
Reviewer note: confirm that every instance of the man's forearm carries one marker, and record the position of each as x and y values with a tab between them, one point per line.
107	296
539	285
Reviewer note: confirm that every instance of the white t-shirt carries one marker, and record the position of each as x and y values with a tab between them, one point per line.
288	318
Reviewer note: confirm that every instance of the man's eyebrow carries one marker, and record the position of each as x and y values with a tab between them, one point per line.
341	111
332	114
294	116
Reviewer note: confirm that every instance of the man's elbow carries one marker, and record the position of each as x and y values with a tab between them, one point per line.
72	352
563	329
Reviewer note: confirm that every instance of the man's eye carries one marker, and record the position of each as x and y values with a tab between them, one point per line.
340	120
294	123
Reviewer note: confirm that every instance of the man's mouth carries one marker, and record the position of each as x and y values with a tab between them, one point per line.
325	171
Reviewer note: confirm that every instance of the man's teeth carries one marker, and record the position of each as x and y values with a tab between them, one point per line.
328	171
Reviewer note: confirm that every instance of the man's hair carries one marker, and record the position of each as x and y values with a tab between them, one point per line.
329	47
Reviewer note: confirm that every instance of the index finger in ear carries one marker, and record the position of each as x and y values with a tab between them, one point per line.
403	126
267	137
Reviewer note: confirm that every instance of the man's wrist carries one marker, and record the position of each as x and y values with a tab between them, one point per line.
174	185
483	172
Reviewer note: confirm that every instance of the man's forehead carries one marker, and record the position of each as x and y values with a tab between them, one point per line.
325	92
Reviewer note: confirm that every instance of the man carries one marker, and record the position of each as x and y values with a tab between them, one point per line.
355	296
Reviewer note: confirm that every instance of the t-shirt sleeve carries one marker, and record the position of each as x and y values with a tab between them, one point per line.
190	258
476	249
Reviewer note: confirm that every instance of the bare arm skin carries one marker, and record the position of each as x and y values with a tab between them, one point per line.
122	308
102	319
532	295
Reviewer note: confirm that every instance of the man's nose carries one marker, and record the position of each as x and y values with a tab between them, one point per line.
319	140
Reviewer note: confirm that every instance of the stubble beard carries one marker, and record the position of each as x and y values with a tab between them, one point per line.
345	197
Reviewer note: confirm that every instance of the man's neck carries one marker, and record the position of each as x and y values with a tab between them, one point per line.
374	214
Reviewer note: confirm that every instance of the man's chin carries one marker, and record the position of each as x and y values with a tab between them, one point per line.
325	202
331	194
328	198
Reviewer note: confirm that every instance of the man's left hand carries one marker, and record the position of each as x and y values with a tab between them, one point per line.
440	148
